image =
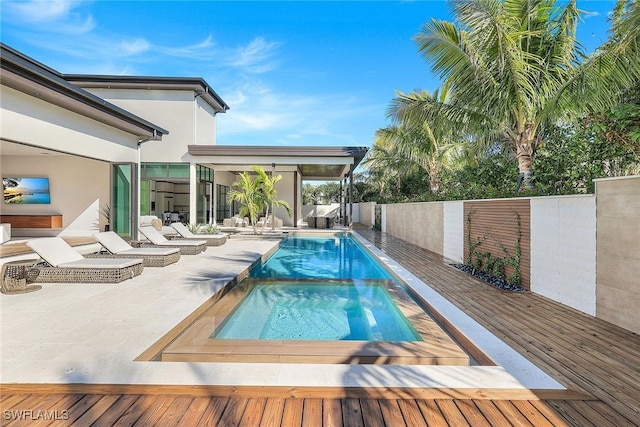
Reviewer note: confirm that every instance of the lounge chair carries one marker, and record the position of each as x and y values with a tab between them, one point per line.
187	247
118	248
212	239
63	264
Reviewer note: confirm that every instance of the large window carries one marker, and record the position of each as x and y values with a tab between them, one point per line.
165	170
122	196
223	209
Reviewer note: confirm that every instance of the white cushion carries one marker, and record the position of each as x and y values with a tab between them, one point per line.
112	242
54	250
182	230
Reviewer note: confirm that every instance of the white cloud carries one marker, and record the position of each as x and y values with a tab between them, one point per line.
255	57
60	16
134	47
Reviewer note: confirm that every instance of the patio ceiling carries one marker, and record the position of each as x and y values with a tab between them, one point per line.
313	163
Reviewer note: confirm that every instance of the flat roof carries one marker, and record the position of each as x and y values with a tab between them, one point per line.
29	76
321	163
195	84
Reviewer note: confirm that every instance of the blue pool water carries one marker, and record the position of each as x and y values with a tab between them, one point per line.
325	288
336	257
319	311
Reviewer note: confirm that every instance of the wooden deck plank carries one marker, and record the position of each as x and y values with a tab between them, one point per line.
432	414
135	411
493	416
292	415
117	410
78	409
312	413
214	411
472	413
153	415
331	413
233	412
253	412
371	413
96	410
273	410
194	412
411	413
452	414
352	413
512	413
391	413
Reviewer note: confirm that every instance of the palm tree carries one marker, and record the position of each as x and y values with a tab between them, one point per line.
515	67
424	142
247	192
269	194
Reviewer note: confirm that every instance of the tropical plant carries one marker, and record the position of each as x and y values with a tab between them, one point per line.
247	191
268	194
424	142
516	68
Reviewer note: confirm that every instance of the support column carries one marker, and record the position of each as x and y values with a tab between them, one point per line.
351	196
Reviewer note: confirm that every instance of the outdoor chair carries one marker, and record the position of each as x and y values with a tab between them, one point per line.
119	248
187	247
63	264
211	239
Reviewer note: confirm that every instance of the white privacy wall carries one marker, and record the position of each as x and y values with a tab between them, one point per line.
563	250
453	245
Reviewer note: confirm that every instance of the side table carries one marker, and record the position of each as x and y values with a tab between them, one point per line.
13	277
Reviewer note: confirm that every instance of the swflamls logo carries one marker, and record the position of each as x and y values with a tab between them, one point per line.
33	415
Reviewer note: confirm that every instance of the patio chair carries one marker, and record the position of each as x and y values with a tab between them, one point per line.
118	248
211	239
63	264
187	247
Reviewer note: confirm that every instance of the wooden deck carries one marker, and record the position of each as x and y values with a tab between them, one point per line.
598	362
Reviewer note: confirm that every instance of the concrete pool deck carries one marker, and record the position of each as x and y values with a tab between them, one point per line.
91	334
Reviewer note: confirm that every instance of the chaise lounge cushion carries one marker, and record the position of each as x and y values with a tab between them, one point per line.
158	239
58	253
119	248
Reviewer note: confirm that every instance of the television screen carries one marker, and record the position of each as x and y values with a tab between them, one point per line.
26	190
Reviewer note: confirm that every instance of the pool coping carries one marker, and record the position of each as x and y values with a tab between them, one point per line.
195	343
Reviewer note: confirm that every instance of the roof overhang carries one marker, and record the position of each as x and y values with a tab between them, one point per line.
26	75
195	84
313	163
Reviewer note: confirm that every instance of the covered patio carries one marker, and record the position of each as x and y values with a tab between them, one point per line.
295	164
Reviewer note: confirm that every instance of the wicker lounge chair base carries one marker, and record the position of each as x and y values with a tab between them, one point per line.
212	240
46	274
184	250
148	260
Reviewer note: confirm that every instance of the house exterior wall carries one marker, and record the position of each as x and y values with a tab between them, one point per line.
78	188
618	251
285	188
563	250
205	124
27	119
173	110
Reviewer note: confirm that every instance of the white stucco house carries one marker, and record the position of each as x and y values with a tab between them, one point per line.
142	145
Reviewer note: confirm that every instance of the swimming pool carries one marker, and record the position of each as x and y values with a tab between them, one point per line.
317	299
337	256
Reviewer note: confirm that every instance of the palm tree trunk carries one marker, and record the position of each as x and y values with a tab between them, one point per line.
434	177
524	145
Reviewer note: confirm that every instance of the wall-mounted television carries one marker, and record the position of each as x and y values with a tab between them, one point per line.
26	190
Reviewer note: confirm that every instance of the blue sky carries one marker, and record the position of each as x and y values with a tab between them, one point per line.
293	73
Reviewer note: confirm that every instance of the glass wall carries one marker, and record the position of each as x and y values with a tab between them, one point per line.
223	209
122	196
